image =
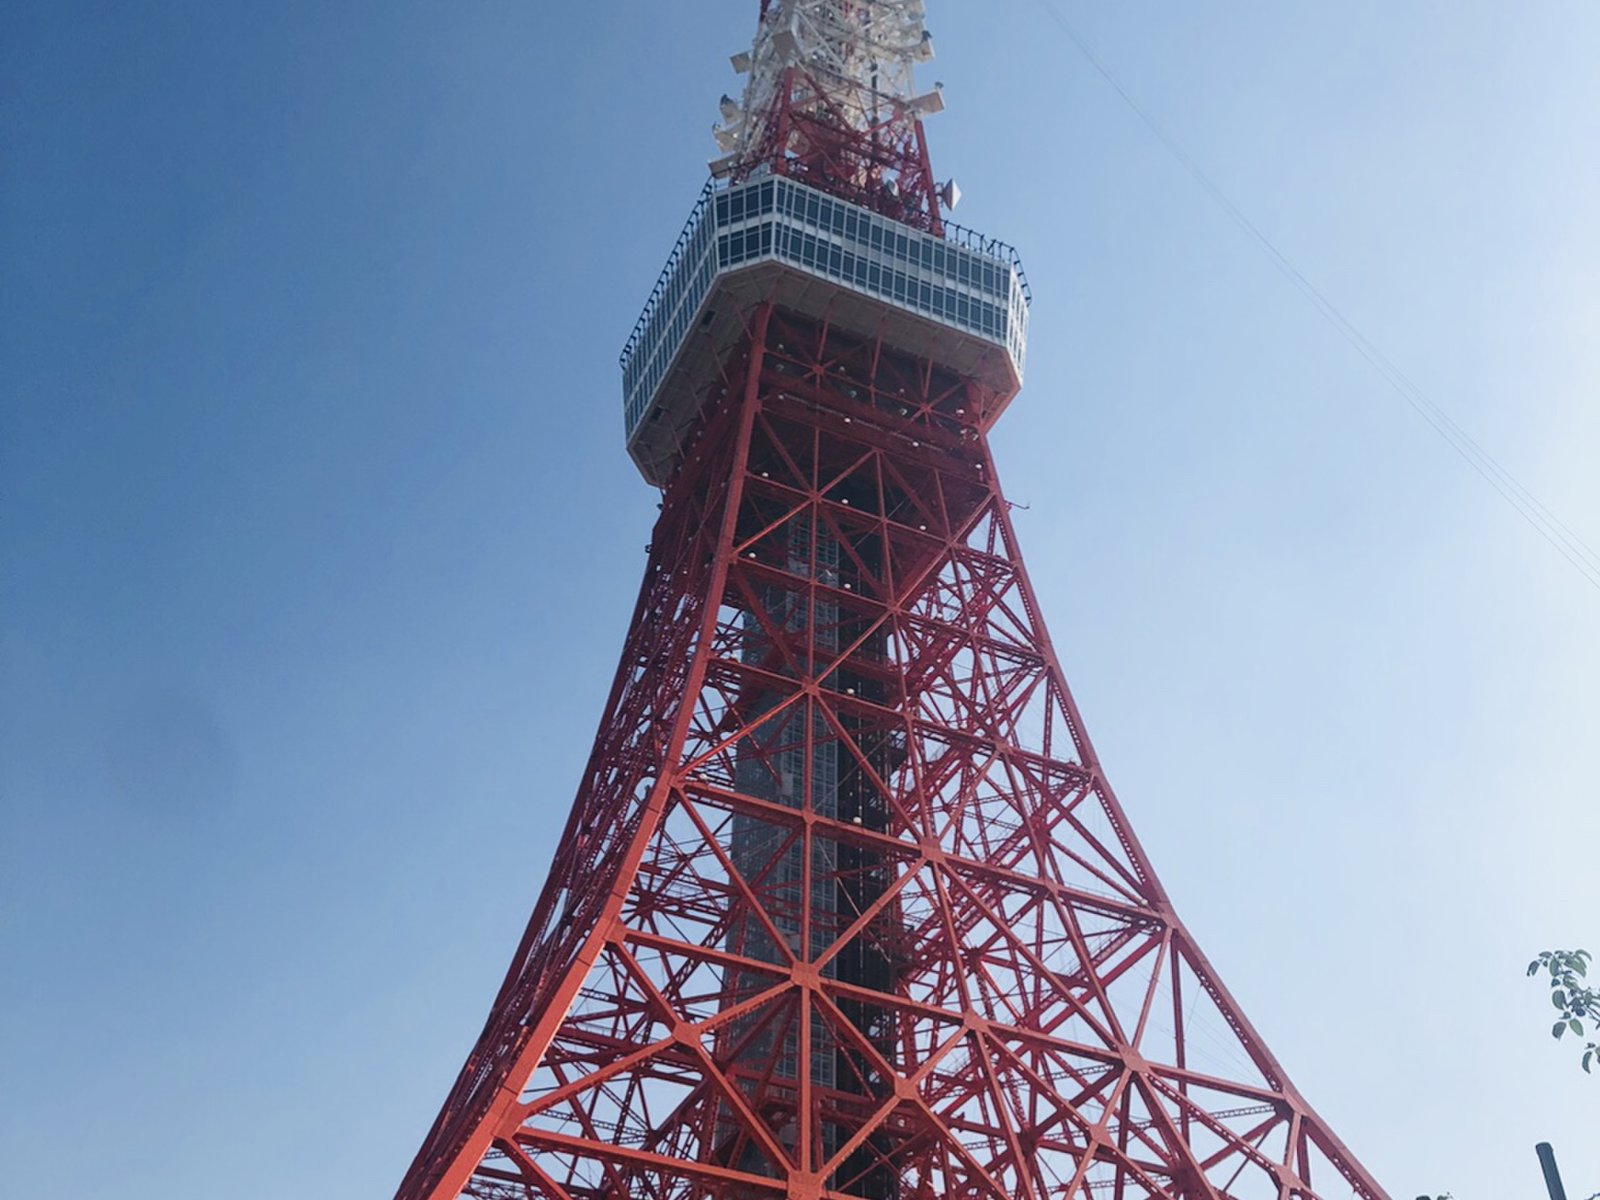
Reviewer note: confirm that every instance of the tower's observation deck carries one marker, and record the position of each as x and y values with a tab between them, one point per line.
954	297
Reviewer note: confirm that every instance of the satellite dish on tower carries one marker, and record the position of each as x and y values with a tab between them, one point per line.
950	194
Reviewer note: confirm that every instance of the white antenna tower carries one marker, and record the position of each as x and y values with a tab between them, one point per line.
854	57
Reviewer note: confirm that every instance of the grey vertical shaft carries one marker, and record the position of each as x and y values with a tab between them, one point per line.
1552	1176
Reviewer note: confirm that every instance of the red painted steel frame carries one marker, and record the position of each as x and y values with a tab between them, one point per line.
993	998
882	165
877	159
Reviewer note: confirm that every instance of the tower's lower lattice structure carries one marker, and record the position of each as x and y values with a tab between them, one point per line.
845	907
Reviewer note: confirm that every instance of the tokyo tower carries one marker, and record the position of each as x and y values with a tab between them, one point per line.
845	908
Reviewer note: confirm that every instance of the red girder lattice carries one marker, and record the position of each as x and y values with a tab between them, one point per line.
879	162
871	151
845	907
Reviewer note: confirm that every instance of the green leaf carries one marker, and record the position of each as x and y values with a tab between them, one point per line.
1558	1030
1558	998
1576	1026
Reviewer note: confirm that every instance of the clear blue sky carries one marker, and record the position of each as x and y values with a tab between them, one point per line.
320	541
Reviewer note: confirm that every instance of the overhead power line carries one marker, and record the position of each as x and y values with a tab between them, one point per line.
1578	553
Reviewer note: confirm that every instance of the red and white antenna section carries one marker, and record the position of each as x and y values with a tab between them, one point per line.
831	98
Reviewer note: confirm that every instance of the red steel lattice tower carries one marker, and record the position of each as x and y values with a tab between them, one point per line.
845	907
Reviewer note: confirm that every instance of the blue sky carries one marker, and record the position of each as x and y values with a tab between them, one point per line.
320	541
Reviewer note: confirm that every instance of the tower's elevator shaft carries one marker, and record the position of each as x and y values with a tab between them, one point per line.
799	626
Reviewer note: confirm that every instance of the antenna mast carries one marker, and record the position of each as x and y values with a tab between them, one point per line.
831	101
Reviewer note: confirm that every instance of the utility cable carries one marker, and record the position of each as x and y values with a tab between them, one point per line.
1578	553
